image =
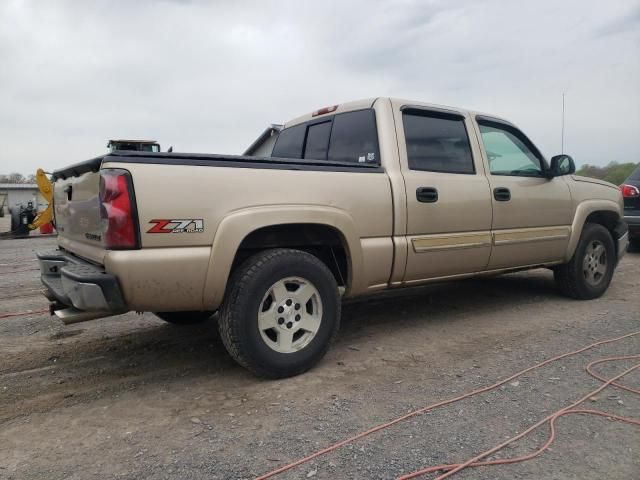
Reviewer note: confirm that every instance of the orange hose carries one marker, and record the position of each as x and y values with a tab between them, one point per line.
522	458
419	411
452	469
603	379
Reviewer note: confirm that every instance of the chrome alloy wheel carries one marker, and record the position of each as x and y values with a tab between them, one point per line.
594	264
290	314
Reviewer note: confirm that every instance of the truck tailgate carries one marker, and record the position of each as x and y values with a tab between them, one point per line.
77	215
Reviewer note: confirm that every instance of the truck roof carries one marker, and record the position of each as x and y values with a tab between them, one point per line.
368	103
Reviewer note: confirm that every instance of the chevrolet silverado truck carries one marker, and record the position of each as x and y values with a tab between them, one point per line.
354	199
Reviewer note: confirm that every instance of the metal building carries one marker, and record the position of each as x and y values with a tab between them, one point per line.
13	194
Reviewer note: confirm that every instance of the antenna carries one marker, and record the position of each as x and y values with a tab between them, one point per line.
562	140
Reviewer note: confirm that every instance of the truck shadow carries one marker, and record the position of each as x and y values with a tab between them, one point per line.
145	351
131	345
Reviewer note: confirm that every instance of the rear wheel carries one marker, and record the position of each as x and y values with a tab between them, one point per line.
282	309
184	318
589	272
15	220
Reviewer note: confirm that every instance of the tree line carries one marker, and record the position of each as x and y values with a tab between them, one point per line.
613	172
17	178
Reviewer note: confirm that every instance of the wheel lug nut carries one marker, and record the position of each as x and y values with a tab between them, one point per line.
297	318
280	321
280	309
289	325
289	302
297	307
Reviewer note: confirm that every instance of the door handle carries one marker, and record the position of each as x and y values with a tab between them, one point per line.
69	191
427	194
502	194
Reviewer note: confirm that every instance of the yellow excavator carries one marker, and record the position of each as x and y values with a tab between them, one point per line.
24	219
46	189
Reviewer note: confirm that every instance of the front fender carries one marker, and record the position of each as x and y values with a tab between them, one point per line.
235	227
583	210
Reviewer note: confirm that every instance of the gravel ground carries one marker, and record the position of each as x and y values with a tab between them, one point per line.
132	397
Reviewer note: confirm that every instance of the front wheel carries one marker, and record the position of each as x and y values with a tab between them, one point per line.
281	310
589	272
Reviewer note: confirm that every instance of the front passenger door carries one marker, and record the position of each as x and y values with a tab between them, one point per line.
532	214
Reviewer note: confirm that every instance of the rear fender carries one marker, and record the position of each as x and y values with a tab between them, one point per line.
235	227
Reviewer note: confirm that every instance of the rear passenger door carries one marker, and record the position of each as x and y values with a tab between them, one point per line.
448	198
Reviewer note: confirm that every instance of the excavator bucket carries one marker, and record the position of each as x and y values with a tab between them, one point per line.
46	189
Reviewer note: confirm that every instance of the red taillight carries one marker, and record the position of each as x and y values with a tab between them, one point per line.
324	110
119	226
629	191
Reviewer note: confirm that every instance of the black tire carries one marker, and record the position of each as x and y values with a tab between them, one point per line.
250	286
17	227
571	277
184	318
15	220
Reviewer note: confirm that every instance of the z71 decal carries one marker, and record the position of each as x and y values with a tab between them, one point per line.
189	225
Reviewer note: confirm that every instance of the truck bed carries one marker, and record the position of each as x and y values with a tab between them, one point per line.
214	160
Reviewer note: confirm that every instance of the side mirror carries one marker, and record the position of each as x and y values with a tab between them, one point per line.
561	165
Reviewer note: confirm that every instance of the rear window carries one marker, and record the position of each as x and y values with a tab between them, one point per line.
344	137
289	143
354	137
317	141
636	174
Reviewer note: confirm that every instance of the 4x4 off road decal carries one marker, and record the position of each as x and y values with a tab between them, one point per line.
189	225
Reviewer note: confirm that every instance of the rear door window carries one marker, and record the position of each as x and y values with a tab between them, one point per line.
290	142
437	142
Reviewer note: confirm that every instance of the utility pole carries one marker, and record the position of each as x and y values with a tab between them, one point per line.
562	140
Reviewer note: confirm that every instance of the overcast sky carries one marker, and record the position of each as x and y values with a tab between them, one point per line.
209	76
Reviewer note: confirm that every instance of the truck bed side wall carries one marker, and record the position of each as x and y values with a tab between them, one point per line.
233	202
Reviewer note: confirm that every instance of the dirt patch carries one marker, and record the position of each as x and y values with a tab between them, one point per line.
134	397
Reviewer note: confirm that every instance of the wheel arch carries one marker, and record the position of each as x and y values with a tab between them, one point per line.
307	227
603	212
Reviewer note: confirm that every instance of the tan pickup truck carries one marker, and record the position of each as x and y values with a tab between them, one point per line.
353	199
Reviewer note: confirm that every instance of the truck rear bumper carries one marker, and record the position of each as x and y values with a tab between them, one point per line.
79	290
